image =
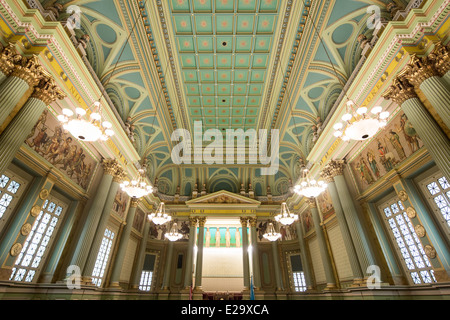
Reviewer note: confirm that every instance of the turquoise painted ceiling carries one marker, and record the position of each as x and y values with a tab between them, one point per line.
226	55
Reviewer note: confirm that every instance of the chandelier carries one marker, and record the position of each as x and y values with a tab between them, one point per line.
285	217
310	188
90	130
137	188
173	234
358	124
160	216
271	234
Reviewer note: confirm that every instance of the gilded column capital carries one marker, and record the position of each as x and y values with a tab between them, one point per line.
244	222
28	69
119	175
47	91
252	221
201	221
418	70
110	166
192	221
7	58
335	168
440	58
134	202
327	174
400	91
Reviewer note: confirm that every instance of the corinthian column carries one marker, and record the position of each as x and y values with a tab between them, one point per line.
123	244
190	252
13	137
304	256
26	74
86	237
199	264
255	255
441	60
245	253
328	175
437	143
7	56
421	73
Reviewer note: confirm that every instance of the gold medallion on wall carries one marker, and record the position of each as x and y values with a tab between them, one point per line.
25	230
44	194
430	251
35	211
402	195
420	231
16	249
411	212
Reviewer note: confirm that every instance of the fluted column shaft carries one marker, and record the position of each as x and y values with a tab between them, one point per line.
326	260
190	252
166	276
14	135
199	264
103	221
246	262
255	254
276	264
303	253
93	216
358	275
141	256
123	244
439	96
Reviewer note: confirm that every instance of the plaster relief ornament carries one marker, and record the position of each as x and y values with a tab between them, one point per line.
411	212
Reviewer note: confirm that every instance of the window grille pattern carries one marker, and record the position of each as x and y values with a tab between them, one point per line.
299	281
146	280
439	190
8	188
34	248
414	257
102	257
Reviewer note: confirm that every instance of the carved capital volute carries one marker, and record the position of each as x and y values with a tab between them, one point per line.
7	58
440	58
110	166
134	202
28	69
201	221
252	221
119	175
418	70
47	91
335	168
311	202
400	91
244	221
192	221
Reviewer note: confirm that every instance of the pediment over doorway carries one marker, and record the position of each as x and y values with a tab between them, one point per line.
223	198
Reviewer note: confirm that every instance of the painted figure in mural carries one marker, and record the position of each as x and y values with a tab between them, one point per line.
40	139
40	123
217	237
237	236
228	237
387	158
63	150
409	133
52	145
395	141
84	179
363	169
208	238
307	221
373	163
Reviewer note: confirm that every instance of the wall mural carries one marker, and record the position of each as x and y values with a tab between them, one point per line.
49	140
120	203
307	221
157	232
391	146
325	205
287	232
139	219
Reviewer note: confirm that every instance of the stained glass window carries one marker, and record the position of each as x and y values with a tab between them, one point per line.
102	257
411	249
439	194
36	244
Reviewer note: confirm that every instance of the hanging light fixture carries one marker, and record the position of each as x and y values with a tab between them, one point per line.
310	188
89	130
358	124
160	216
271	234
173	234
285	217
137	188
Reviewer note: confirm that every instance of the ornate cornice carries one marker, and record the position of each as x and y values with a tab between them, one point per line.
400	91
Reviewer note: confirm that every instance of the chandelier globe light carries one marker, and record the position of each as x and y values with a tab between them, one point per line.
285	217
271	234
89	128
173	234
358	124
310	188
137	188
160	216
